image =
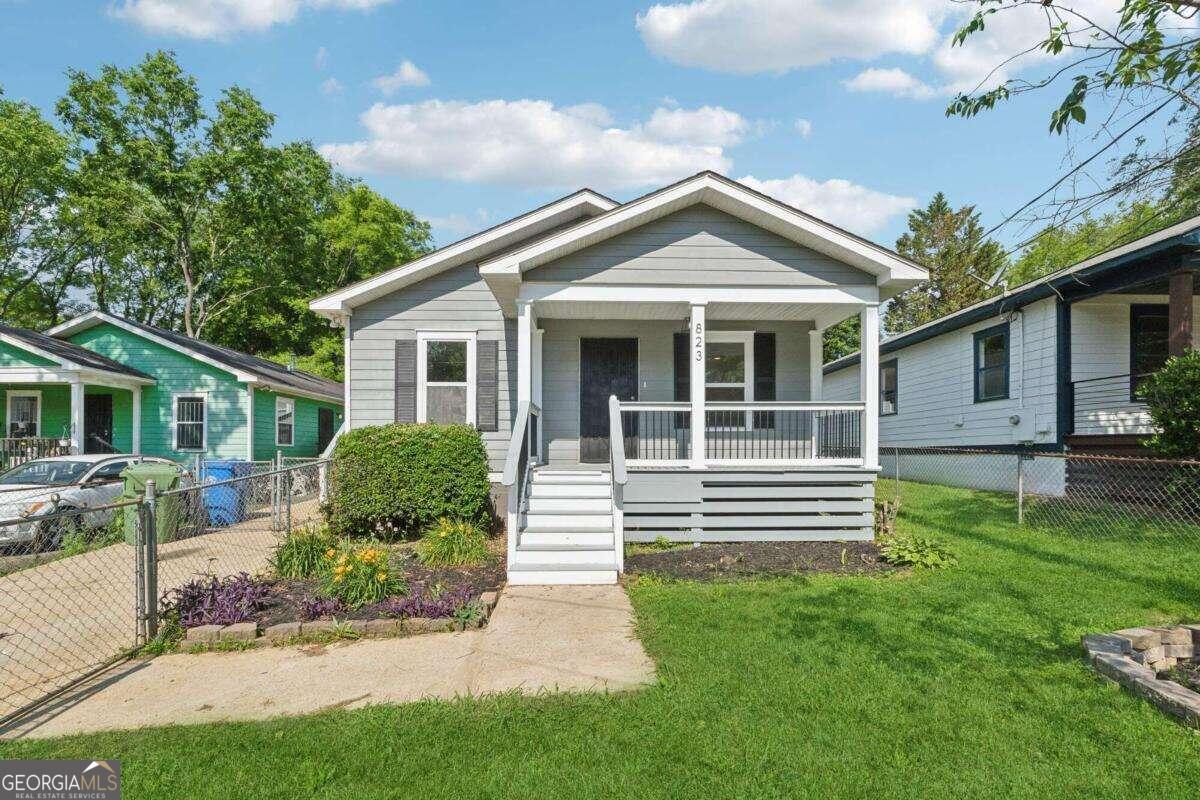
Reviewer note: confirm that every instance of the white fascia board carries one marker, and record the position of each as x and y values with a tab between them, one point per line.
781	295
115	380
93	318
726	196
36	375
21	344
471	248
288	391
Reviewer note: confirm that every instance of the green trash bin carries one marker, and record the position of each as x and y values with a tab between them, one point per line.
169	509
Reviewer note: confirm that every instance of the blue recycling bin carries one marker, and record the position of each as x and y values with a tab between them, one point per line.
226	503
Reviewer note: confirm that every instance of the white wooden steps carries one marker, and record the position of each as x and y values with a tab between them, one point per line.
565	530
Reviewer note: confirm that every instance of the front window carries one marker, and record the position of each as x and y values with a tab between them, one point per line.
888	393
728	375
24	415
991	364
1149	343
190	421
285	421
446	374
45	473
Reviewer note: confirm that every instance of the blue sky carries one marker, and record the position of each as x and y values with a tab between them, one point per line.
833	105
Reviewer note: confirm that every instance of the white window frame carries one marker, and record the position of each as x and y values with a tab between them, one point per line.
746	338
286	401
8	420
423	340
175	397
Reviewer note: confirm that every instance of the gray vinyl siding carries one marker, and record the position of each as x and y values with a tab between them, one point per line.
1100	349
560	371
699	245
455	300
936	386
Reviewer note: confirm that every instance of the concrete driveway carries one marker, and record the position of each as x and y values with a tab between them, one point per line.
540	638
60	619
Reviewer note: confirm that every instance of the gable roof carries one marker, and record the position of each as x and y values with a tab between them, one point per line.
243	366
552	216
66	353
1115	264
892	271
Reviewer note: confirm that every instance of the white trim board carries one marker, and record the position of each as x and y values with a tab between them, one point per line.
8	398
203	448
423	340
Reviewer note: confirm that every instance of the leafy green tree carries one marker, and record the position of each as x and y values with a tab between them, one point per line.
1058	247
42	246
951	245
842	339
1173	397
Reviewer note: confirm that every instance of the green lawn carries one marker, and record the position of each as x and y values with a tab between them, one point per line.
961	683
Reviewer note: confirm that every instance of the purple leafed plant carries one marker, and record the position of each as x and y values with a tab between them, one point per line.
216	601
316	607
425	605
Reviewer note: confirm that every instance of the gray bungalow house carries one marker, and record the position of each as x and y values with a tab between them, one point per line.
640	369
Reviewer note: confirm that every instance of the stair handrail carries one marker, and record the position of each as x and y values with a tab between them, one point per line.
520	429
616	461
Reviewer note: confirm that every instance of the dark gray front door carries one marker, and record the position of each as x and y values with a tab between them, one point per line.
98	423
606	367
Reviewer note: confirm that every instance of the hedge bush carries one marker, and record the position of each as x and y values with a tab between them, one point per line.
1173	397
392	481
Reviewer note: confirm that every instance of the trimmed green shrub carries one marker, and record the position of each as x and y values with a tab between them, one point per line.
1173	397
392	481
452	543
303	553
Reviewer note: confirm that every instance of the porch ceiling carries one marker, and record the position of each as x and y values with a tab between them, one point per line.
788	312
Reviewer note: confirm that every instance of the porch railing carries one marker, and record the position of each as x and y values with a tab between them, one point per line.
1108	405
18	451
767	433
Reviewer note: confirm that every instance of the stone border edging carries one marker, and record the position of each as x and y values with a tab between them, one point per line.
1133	657
252	635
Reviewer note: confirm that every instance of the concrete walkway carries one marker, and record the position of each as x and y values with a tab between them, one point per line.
540	638
64	617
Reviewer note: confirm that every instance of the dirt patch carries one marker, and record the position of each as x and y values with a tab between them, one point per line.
747	559
287	599
1186	675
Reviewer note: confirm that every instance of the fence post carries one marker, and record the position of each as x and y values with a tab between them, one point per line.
287	493
139	566
151	536
323	483
1020	488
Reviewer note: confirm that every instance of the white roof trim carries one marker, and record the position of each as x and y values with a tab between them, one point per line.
728	196
574	206
94	318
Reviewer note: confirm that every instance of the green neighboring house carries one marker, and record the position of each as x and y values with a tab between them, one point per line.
103	383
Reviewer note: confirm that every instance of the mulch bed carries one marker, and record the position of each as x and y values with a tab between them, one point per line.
285	603
708	562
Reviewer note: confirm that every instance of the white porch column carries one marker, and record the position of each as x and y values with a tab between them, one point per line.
536	391
250	420
347	336
868	384
816	375
696	333
524	352
136	421
77	416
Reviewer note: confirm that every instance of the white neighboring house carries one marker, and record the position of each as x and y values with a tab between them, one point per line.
685	324
1050	365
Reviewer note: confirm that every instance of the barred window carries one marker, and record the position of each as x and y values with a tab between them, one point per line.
285	421
190	422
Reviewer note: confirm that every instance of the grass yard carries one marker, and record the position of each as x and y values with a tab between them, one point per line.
967	682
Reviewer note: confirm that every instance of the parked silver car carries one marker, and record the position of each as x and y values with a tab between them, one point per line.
31	491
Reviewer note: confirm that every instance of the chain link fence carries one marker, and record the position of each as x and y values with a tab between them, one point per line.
1084	495
80	588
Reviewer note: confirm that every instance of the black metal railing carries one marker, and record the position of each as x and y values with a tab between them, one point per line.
18	451
1109	404
657	431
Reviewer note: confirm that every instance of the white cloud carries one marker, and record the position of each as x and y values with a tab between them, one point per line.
458	225
841	202
407	74
895	82
331	86
220	19
748	36
707	125
804	128
524	143
321	58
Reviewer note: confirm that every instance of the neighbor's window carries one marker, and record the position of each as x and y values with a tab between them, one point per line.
24	414
888	394
285	421
991	364
190	421
1149	342
446	375
728	375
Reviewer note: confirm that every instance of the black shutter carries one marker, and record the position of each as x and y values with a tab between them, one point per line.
487	381
764	377
683	380
406	381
